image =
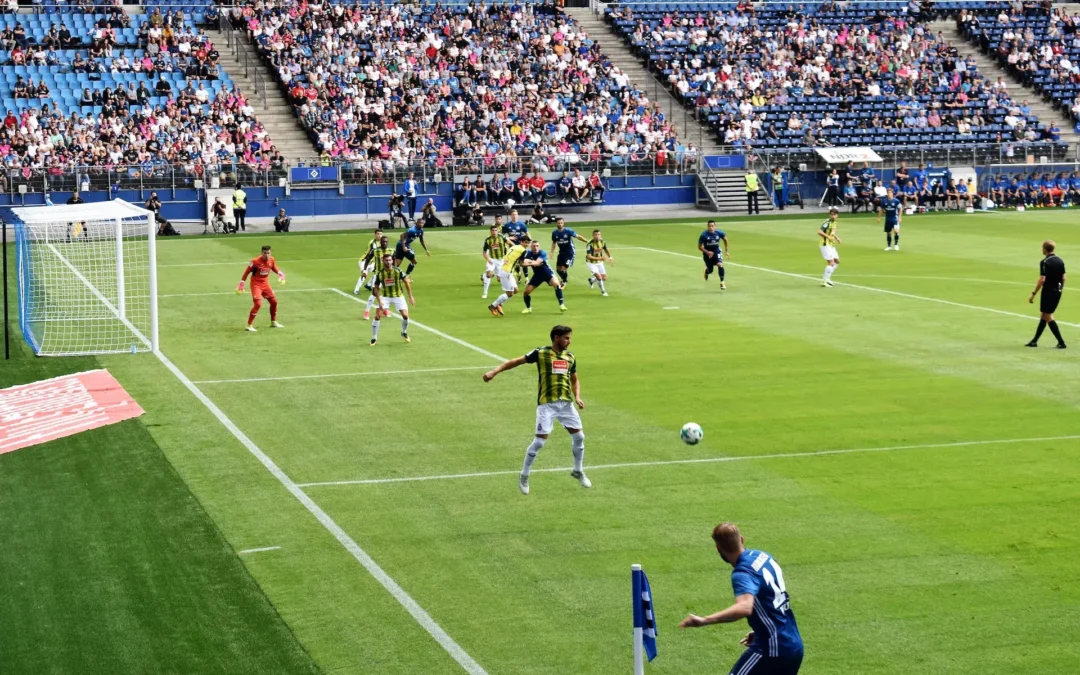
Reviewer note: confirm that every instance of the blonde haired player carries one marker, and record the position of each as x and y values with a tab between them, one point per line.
506	274
596	253
829	240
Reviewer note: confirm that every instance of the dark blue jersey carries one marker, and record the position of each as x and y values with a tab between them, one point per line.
1075	182
538	255
412	234
775	631
711	240
891	207
514	229
564	238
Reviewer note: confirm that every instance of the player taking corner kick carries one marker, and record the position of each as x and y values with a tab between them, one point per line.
260	269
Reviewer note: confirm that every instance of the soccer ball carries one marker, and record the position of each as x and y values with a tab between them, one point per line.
510	203
691	433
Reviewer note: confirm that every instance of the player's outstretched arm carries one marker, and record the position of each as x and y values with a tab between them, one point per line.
247	270
575	386
408	287
508	365
743	607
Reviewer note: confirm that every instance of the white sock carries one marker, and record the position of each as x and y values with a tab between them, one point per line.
601	282
825	274
501	299
404	326
829	272
530	454
487	283
577	446
359	283
375	329
370	302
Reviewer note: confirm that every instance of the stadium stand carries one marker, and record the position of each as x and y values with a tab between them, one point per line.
1039	48
834	74
113	100
393	88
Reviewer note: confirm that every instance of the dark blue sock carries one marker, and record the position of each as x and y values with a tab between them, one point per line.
528	301
410	268
559	295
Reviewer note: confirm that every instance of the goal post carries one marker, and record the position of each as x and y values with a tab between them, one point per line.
87	276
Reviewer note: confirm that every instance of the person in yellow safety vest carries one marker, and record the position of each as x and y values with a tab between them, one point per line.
239	207
752	192
778	186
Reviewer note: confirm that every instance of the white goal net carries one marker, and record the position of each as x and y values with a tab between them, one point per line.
87	278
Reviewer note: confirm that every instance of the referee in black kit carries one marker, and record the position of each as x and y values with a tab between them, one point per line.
1052	283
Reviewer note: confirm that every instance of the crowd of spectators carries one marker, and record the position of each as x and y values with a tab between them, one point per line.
877	71
510	86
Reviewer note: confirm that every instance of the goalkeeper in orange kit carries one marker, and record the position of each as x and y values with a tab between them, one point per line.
260	269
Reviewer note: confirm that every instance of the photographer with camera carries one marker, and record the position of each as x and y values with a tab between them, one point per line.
397	204
282	221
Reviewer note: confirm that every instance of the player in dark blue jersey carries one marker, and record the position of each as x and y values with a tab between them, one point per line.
563	238
1072	195
536	260
514	227
773	645
403	250
709	245
893	211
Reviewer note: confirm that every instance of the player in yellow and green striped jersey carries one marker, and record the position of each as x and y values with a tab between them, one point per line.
390	287
376	257
558	392
495	247
366	262
596	253
507	277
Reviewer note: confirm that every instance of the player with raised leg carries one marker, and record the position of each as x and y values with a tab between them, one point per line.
709	245
536	260
508	274
563	239
829	240
390	288
558	393
495	247
367	264
596	253
403	250
260	269
892	209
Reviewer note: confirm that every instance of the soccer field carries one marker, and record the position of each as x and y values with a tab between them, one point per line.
355	509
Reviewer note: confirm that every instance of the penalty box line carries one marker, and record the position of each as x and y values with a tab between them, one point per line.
698	460
872	289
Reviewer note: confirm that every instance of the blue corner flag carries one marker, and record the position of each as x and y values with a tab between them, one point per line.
643	612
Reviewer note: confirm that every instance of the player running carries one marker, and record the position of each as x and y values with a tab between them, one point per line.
390	287
773	645
559	391
829	240
892	209
507	276
596	252
536	260
366	263
376	261
260	269
495	247
563	238
403	250
709	245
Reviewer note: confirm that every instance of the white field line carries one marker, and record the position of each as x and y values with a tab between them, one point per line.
241	263
873	289
411	606
965	279
702	460
333	375
263	549
202	295
429	329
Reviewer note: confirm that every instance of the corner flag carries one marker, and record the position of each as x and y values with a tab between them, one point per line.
644	619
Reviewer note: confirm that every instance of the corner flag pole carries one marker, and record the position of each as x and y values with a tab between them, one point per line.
639	646
4	255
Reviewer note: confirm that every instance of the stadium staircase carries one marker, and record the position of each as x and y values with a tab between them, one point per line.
724	191
991	70
239	59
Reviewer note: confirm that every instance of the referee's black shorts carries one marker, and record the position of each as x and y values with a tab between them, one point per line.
1048	301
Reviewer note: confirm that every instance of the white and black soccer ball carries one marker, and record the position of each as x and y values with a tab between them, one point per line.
510	203
691	433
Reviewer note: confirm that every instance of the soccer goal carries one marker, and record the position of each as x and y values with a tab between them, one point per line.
87	278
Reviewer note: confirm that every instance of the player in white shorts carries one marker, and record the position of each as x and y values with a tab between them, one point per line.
829	240
495	247
596	252
506	275
367	263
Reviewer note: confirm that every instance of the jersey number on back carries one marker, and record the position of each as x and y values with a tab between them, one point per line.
775	579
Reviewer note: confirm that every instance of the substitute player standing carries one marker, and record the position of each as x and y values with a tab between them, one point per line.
1052	284
494	251
559	391
596	253
260	269
390	288
773	645
562	237
829	240
709	245
507	276
892	208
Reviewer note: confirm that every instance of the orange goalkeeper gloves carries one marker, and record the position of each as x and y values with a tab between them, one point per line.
240	288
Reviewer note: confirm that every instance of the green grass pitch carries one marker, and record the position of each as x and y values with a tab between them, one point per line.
945	541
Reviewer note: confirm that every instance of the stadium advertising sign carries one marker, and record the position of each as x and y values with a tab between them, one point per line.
845	155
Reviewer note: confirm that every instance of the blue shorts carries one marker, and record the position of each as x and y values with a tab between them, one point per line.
710	262
753	662
891	225
402	252
565	259
541	276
